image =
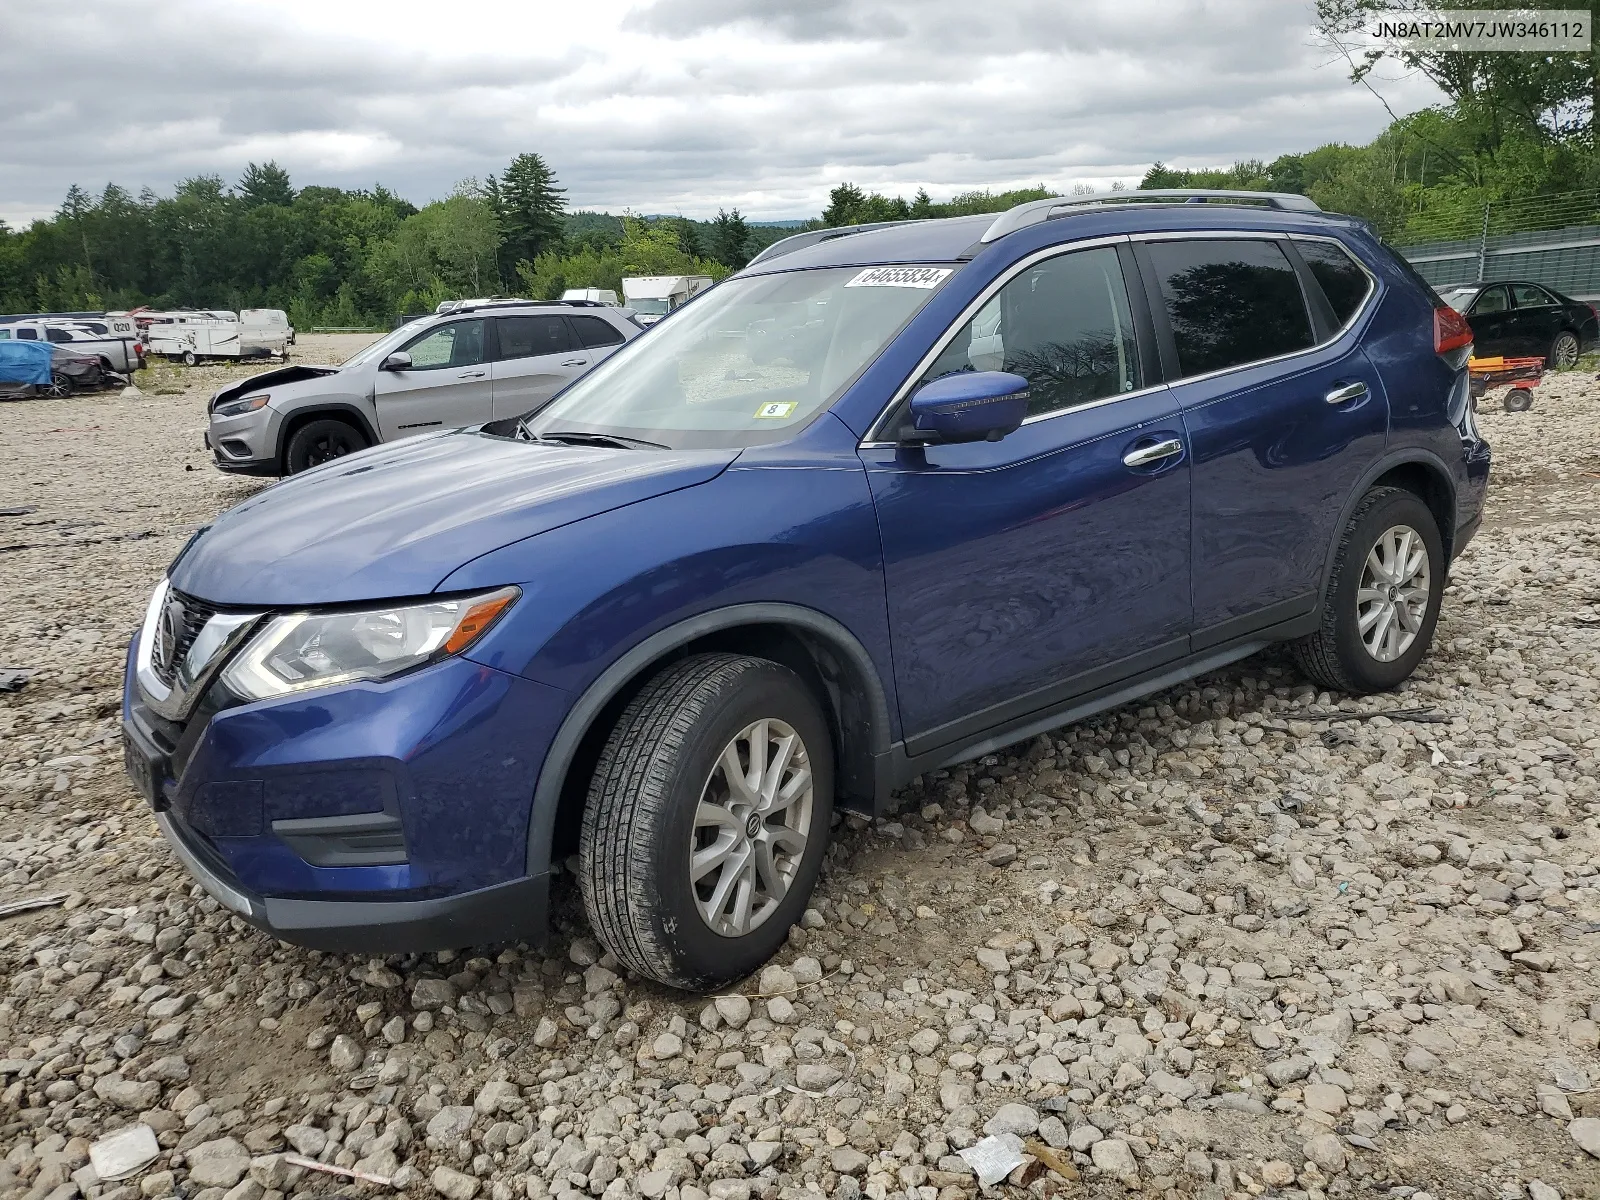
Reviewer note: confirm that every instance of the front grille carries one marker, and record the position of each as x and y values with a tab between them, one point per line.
181	621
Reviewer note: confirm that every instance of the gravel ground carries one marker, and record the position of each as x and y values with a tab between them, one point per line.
1240	938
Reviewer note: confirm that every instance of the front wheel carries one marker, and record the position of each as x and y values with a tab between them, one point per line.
318	442
190	358
1564	351
1383	600
707	818
59	385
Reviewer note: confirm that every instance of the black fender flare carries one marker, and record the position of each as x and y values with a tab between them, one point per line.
581	716
341	408
1401	456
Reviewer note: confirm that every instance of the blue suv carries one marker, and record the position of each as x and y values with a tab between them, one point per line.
891	497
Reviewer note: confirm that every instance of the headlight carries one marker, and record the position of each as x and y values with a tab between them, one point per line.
235	408
309	650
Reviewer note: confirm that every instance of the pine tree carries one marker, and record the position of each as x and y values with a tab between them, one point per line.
730	239
266	184
529	204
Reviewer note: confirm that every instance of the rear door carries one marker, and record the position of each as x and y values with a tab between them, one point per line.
538	355
598	337
1283	410
1536	318
447	385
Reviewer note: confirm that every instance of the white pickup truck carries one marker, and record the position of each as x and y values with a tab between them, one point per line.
114	341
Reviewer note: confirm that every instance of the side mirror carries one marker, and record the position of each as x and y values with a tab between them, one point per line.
973	406
398	361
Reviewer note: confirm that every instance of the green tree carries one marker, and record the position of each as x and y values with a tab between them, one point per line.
529	206
464	234
730	239
266	184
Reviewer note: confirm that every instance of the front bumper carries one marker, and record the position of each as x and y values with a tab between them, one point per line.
374	818
245	444
514	911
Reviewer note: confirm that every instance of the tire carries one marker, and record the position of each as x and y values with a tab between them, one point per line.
1337	655
320	441
1564	351
189	358
661	768
60	385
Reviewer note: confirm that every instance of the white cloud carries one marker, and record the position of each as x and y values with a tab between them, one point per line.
676	105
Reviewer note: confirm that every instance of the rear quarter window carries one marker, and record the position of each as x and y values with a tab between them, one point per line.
1343	281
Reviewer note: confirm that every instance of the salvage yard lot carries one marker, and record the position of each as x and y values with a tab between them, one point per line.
1239	936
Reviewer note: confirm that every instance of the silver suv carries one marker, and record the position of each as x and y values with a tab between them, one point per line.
476	364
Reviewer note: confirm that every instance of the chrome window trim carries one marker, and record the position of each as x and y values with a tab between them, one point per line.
874	437
874	433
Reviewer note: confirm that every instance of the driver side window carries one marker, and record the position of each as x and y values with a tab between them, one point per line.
1063	324
459	344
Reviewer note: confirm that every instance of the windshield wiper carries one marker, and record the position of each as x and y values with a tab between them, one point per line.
573	437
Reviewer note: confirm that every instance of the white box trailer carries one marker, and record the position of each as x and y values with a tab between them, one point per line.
654	296
191	336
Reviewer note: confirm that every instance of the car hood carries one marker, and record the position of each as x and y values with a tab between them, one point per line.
289	382
397	519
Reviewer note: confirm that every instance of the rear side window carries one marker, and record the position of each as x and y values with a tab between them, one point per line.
1343	282
1528	296
527	337
1062	324
596	331
1230	302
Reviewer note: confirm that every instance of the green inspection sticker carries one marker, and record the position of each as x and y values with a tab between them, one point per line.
776	411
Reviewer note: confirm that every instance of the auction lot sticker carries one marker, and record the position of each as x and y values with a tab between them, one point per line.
911	277
777	410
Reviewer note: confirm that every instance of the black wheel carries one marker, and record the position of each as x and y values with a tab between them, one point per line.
1564	351
706	820
317	442
1519	399
59	385
189	358
1383	601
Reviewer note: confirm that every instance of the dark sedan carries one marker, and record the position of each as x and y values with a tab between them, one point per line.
1526	320
72	370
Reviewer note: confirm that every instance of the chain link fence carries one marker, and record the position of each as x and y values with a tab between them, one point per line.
1553	240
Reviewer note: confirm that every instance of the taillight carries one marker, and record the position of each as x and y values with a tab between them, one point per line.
1596	311
1450	330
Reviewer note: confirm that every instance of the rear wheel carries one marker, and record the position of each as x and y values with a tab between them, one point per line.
320	441
1383	601
707	819
1564	349
190	358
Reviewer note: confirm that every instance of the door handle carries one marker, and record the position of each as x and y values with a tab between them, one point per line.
472	375
576	362
1346	392
1143	456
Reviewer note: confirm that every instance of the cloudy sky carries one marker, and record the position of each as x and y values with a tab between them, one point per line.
663	105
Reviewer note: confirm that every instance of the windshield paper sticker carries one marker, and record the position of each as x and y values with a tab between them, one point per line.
778	410
911	277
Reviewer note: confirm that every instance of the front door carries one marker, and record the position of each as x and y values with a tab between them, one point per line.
1026	571
538	357
447	385
1284	416
1490	316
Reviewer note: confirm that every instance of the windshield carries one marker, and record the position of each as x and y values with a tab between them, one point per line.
1459	299
748	362
383	345
651	307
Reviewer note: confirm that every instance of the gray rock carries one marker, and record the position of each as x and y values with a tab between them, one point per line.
816	1077
1013	1118
1112	1156
1001	855
449	1125
847	1160
453	1185
219	1163
1183	902
733	1009
1586	1132
346	1054
125	1093
430	994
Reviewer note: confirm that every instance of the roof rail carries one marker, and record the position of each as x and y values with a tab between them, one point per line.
811	237
1035	212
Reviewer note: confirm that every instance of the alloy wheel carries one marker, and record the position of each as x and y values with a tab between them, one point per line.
1393	596
750	827
1564	354
328	448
